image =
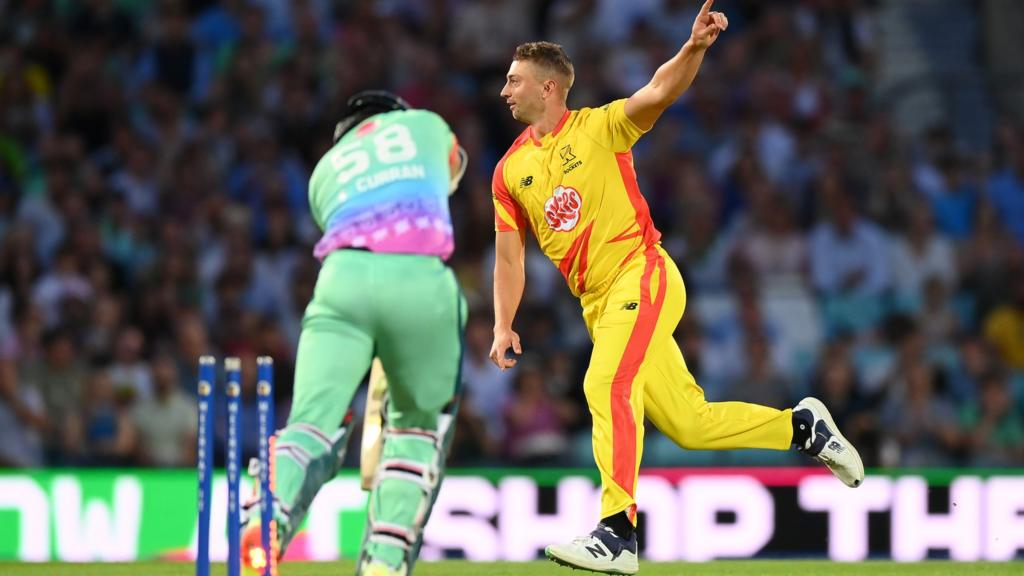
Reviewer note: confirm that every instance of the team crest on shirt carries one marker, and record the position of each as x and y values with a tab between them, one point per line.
562	210
569	161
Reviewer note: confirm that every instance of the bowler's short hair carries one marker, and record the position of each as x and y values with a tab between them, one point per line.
547	55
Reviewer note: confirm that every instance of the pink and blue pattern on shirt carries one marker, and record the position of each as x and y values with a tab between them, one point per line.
410	226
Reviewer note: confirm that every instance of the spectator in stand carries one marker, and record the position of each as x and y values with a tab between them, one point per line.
64	282
103	433
488	389
995	425
938	319
848	253
166	423
921	423
921	255
987	261
537	422
129	372
473	442
774	247
23	419
1004	327
59	377
1006	187
976	360
761	382
955	199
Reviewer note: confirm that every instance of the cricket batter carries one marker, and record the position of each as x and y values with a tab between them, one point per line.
380	195
569	178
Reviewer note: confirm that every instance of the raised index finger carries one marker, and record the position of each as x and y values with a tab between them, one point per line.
706	7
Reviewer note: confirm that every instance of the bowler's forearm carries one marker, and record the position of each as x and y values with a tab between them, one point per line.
509	281
674	76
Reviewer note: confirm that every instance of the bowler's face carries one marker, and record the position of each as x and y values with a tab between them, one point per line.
522	91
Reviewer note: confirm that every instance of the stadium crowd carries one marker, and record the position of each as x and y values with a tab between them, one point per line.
154	158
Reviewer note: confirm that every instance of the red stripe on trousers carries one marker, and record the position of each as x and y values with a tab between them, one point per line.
623	425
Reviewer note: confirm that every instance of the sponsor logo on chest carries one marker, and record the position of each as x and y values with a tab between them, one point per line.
562	209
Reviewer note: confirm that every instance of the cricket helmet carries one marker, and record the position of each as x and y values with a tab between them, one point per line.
365	104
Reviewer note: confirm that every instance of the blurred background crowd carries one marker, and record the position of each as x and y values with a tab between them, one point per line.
842	187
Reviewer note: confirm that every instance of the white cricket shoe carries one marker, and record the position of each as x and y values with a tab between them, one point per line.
600	551
826	444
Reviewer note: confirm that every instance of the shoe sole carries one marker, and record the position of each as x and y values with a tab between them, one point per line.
827	417
568	564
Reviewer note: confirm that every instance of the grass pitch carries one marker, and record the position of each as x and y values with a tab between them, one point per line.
543	568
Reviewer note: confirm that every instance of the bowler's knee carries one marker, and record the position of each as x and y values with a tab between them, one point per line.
597	384
687	429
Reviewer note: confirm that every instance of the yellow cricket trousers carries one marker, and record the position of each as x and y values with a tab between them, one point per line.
636	369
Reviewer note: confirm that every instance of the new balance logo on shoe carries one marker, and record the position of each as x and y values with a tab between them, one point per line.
596	551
